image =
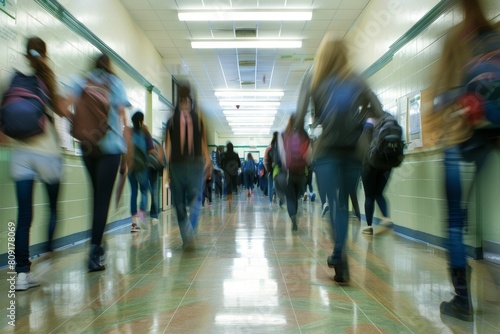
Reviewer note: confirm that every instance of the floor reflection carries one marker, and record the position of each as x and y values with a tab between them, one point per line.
249	273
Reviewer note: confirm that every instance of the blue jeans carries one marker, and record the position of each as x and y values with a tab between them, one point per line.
249	180
138	181
186	183
456	212
270	186
24	193
334	177
153	184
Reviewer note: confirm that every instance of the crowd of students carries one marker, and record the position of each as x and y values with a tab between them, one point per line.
336	157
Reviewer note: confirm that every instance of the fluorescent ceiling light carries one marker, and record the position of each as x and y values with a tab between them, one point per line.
245	16
248	93
240	124
251	130
248	44
250	119
246	113
250	104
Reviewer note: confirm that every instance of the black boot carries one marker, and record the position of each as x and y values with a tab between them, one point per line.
341	268
294	223
460	306
95	258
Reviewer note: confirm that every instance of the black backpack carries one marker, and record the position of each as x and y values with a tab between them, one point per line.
387	146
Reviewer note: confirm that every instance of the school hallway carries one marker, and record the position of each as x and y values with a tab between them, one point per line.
249	273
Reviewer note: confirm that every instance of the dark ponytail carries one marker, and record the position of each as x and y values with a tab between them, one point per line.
36	52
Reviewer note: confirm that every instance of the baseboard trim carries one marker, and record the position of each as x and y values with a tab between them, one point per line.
38	250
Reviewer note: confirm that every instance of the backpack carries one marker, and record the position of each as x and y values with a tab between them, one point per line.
140	160
22	112
337	109
387	145
90	120
480	91
157	159
249	167
482	77
296	146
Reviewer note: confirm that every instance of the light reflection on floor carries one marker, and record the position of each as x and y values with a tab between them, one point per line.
249	273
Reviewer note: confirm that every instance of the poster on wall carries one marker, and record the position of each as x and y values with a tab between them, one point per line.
401	116
8	7
414	120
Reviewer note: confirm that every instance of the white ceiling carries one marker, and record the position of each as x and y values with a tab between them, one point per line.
209	70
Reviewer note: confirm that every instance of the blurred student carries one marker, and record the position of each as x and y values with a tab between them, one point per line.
294	179
188	163
458	47
102	163
249	174
337	94
36	157
141	145
231	164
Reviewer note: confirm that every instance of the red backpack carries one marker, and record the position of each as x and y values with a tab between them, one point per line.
296	145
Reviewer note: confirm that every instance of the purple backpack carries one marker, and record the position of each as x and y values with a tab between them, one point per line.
296	146
22	111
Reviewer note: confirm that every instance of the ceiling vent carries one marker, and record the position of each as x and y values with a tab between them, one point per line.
245	33
246	63
247	83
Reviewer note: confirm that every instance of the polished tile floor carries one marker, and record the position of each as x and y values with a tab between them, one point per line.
249	273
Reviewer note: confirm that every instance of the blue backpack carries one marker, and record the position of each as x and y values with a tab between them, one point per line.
22	111
337	108
482	77
480	91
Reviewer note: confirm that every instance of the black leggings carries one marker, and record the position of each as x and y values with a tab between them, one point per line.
102	171
374	182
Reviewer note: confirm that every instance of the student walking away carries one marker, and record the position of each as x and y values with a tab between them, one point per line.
156	161
26	116
309	186
218	174
295	151
207	191
140	146
375	173
249	174
268	165
231	163
188	163
102	152
340	98
469	64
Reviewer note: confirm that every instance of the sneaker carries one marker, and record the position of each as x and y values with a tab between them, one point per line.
368	230
312	196
25	281
304	198
142	222
326	208
154	221
134	228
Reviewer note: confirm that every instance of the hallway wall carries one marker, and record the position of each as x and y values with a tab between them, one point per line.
71	55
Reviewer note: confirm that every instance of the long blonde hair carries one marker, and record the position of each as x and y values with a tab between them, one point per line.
330	59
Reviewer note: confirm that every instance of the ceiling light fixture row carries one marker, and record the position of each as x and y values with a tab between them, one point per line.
245	16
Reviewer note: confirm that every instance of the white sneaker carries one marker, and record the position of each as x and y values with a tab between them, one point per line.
25	281
325	209
154	221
